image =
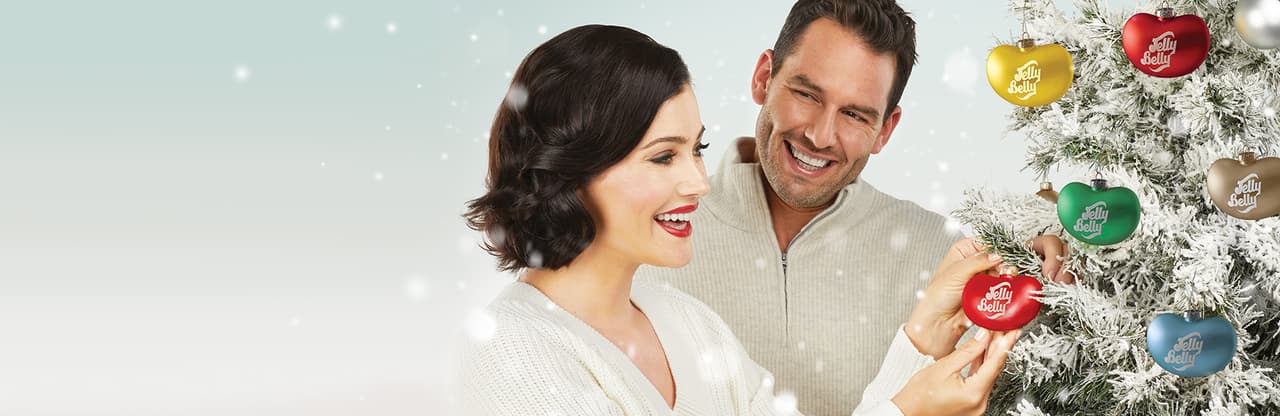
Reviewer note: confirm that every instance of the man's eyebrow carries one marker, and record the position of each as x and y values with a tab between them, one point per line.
806	82
869	112
672	139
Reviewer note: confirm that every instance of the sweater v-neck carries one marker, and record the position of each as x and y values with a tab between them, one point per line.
676	340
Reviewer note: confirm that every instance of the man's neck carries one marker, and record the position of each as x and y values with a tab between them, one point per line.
788	220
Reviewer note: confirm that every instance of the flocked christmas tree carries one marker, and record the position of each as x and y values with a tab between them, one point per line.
1087	352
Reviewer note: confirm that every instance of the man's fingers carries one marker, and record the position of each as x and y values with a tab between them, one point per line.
1067	276
1053	250
997	353
968	352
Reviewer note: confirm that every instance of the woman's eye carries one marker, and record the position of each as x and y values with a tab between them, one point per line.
697	150
664	159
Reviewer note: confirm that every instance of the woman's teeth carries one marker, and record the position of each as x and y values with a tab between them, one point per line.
673	217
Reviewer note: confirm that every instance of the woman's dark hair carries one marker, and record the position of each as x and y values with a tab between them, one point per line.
577	105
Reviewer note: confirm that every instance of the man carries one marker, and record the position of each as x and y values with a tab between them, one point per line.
814	269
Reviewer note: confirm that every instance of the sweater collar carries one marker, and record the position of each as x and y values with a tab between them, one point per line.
737	190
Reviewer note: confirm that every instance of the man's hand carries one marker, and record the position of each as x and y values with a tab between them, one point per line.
1052	251
939	389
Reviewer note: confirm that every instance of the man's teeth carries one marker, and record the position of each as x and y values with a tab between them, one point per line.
673	217
809	162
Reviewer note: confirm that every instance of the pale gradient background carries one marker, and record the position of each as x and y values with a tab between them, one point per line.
212	208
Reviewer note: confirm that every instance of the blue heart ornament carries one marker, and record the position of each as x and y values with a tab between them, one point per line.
1190	346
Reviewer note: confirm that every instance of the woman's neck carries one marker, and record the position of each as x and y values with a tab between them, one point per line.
595	287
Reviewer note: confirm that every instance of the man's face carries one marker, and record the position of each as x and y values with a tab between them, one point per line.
823	113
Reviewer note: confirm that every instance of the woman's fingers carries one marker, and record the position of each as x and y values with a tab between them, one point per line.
996	355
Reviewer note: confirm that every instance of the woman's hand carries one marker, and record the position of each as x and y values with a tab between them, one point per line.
939	389
938	321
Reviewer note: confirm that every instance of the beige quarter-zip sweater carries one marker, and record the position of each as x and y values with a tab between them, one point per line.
541	360
821	315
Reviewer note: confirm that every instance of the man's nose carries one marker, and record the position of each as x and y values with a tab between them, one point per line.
822	131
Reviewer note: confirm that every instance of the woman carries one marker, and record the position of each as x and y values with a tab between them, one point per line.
595	164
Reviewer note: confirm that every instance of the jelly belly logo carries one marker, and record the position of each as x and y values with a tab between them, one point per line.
1160	53
1026	80
1091	221
997	300
1184	353
1246	194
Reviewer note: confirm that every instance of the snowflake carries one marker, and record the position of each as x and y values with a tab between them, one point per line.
784	403
242	73
416	288
334	22
480	325
960	72
517	97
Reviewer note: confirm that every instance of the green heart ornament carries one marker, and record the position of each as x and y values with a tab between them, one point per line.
1098	215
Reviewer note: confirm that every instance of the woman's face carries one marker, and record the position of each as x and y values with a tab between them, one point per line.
642	204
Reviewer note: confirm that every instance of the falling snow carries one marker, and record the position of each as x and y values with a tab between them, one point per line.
242	73
334	22
417	288
535	259
517	97
784	403
899	240
480	325
960	72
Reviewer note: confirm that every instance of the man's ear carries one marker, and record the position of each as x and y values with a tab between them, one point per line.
760	78
886	130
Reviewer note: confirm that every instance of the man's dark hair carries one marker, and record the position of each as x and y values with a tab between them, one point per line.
577	105
881	23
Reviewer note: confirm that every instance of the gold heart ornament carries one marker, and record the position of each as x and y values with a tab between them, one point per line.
1029	75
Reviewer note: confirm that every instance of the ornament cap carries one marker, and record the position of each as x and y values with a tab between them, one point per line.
1193	315
1098	184
1026	43
1247	158
1008	270
1046	186
1164	12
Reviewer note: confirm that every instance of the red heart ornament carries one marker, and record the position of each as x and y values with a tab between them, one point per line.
1001	303
1165	46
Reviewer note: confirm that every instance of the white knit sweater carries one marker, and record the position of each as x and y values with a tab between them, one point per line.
541	360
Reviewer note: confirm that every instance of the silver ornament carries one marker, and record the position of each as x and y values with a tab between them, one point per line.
1258	22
